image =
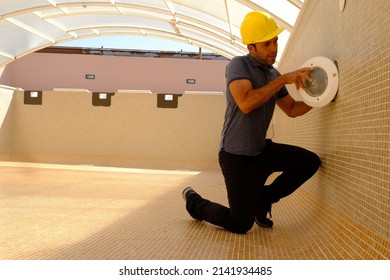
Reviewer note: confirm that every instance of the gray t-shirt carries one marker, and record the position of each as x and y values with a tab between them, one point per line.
245	134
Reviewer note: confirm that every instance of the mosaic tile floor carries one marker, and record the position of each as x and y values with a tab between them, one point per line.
84	212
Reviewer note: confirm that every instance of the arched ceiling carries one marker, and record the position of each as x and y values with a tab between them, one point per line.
29	25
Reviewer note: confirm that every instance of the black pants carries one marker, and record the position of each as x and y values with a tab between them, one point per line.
245	178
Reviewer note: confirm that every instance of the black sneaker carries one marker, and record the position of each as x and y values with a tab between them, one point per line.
262	219
264	222
187	194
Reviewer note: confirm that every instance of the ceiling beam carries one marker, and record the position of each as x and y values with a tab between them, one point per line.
296	3
30	29
229	20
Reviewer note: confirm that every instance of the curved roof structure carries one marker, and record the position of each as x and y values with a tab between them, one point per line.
29	25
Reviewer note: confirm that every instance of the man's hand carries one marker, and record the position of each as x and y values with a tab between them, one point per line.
297	76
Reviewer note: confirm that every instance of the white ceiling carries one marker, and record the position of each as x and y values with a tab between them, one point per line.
30	25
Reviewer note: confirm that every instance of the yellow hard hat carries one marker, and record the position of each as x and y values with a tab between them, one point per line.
259	27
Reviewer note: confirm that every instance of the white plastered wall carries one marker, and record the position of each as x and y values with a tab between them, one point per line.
67	128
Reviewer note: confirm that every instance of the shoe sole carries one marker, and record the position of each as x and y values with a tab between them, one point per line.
270	224
185	191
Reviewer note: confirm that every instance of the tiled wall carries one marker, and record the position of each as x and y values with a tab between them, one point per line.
352	134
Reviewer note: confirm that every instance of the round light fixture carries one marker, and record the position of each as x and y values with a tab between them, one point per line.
323	89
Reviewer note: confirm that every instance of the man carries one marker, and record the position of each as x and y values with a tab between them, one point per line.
246	157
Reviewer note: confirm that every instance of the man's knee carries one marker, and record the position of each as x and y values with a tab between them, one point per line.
241	227
310	162
315	161
313	157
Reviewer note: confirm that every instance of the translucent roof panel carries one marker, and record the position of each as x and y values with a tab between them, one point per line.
29	25
285	10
